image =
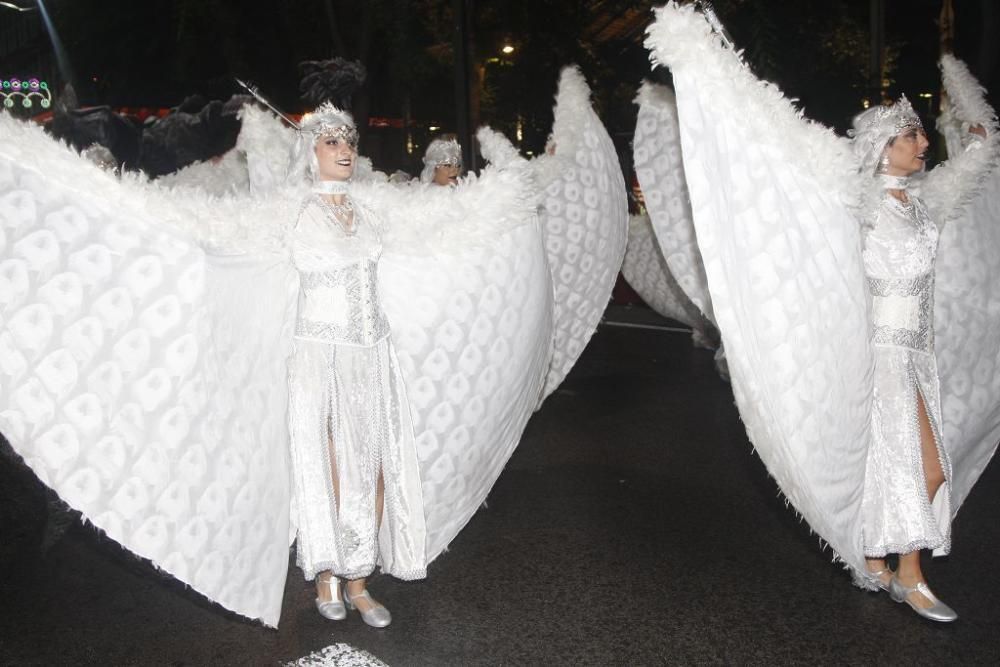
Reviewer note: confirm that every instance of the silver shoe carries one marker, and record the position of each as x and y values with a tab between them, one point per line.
377	616
334	608
938	611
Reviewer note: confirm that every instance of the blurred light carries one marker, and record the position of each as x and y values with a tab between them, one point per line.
507	49
865	103
520	130
926	96
434	128
17	8
409	144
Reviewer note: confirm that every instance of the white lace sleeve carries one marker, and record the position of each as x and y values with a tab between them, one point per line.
782	258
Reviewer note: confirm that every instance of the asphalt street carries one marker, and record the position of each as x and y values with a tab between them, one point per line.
634	525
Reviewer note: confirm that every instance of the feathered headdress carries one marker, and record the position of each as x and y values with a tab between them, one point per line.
325	121
875	127
441	153
333	80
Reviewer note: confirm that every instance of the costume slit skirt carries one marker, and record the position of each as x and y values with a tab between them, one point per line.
348	412
897	514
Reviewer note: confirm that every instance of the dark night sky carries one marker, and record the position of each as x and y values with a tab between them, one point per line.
156	52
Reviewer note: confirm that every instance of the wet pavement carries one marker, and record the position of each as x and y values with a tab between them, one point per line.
633	526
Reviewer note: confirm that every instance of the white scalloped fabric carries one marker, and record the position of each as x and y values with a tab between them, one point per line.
471	332
132	385
782	257
967	332
128	380
656	150
783	263
585	220
647	272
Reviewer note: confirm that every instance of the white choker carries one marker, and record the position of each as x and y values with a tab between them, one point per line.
893	182
331	187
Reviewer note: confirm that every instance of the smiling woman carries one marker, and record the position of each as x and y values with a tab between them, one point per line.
353	454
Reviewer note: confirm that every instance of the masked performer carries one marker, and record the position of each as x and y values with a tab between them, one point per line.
854	433
442	161
353	456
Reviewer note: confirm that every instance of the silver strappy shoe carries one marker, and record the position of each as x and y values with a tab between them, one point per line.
377	615
938	611
333	608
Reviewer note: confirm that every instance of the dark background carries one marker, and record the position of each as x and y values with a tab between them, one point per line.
154	53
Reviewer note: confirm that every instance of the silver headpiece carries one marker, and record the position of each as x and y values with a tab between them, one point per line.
441	153
875	127
325	121
329	121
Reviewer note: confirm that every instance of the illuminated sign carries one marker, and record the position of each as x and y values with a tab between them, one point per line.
27	92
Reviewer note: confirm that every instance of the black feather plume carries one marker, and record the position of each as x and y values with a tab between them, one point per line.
333	80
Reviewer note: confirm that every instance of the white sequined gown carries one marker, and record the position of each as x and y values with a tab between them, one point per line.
899	252
348	413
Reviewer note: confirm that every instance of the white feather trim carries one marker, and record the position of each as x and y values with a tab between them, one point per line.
965	94
682	35
422	218
951	186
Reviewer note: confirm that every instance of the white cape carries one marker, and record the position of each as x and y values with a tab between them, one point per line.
144	339
773	199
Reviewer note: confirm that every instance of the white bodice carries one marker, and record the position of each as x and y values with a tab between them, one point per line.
338	277
899	252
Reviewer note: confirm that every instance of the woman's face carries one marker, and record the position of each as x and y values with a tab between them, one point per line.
906	152
336	158
446	174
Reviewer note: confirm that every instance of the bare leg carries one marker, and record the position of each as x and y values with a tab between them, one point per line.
909	572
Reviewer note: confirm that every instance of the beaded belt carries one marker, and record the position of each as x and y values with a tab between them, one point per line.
902	311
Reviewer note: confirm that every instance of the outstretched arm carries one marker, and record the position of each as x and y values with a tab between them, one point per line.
953	184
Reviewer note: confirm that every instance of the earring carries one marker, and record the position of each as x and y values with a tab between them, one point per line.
883	164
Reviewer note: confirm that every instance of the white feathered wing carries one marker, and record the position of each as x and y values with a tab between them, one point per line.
585	222
142	376
466	287
967	305
646	270
656	150
782	257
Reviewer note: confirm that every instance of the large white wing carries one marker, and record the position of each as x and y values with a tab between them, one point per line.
782	256
647	272
967	322
467	290
656	150
141	377
585	220
967	300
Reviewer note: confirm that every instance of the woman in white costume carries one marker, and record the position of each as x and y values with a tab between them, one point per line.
357	492
907	504
442	161
820	256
